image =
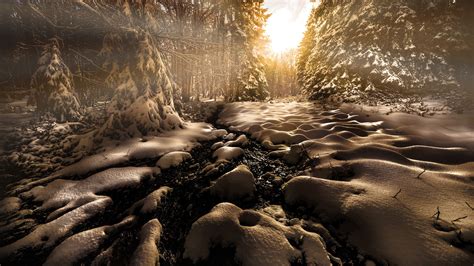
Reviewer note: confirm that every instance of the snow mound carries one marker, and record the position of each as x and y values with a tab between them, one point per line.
386	227
173	159
9	205
65	195
234	185
147	252
226	154
152	202
48	235
151	147
257	238
378	178
78	247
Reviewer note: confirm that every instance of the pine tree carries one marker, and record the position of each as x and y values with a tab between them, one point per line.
53	87
249	39
401	47
143	101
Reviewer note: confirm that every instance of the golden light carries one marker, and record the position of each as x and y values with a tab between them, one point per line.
287	24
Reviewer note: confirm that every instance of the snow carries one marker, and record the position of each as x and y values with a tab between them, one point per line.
78	247
360	160
65	195
9	205
386	43
147	253
173	159
49	234
133	149
257	238
226	154
234	185
151	202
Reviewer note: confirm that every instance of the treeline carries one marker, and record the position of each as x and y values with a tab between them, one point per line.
353	49
159	52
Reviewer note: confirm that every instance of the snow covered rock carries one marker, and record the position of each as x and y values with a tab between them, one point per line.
9	205
226	154
257	238
234	185
395	229
152	202
147	253
78	247
173	159
241	141
62	196
48	235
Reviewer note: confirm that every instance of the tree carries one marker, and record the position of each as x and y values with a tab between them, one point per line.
143	100
53	86
401	47
248	40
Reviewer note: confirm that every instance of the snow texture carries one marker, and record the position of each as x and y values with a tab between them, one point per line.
379	177
52	84
173	159
234	185
78	247
257	238
407	46
147	253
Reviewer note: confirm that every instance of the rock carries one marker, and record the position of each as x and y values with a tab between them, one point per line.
234	185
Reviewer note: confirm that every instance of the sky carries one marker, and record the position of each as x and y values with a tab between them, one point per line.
287	24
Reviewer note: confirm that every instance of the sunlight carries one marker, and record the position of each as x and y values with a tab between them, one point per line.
287	24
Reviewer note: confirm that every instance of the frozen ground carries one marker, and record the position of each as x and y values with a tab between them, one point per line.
291	184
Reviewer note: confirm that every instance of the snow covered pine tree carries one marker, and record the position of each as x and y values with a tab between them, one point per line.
353	48
143	100
248	36
52	85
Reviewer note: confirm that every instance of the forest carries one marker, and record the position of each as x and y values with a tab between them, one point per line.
237	132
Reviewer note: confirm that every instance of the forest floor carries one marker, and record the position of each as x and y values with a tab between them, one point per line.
277	183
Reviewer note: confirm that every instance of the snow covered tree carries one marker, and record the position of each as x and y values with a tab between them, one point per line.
248	37
353	48
143	100
53	87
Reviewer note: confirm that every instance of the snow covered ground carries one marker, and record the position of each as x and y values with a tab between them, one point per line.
400	187
292	183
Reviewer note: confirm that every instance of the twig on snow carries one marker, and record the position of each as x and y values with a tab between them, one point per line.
469	206
459	219
419	176
437	214
396	195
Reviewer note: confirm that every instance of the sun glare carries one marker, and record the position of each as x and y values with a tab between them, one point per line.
287	24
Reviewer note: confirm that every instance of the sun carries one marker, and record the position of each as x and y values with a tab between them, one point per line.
280	30
287	23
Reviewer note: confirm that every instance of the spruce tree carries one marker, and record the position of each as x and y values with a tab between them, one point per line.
52	85
249	36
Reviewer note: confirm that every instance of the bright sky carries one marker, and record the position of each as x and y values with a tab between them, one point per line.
287	24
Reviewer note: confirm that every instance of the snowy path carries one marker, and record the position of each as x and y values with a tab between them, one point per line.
302	185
